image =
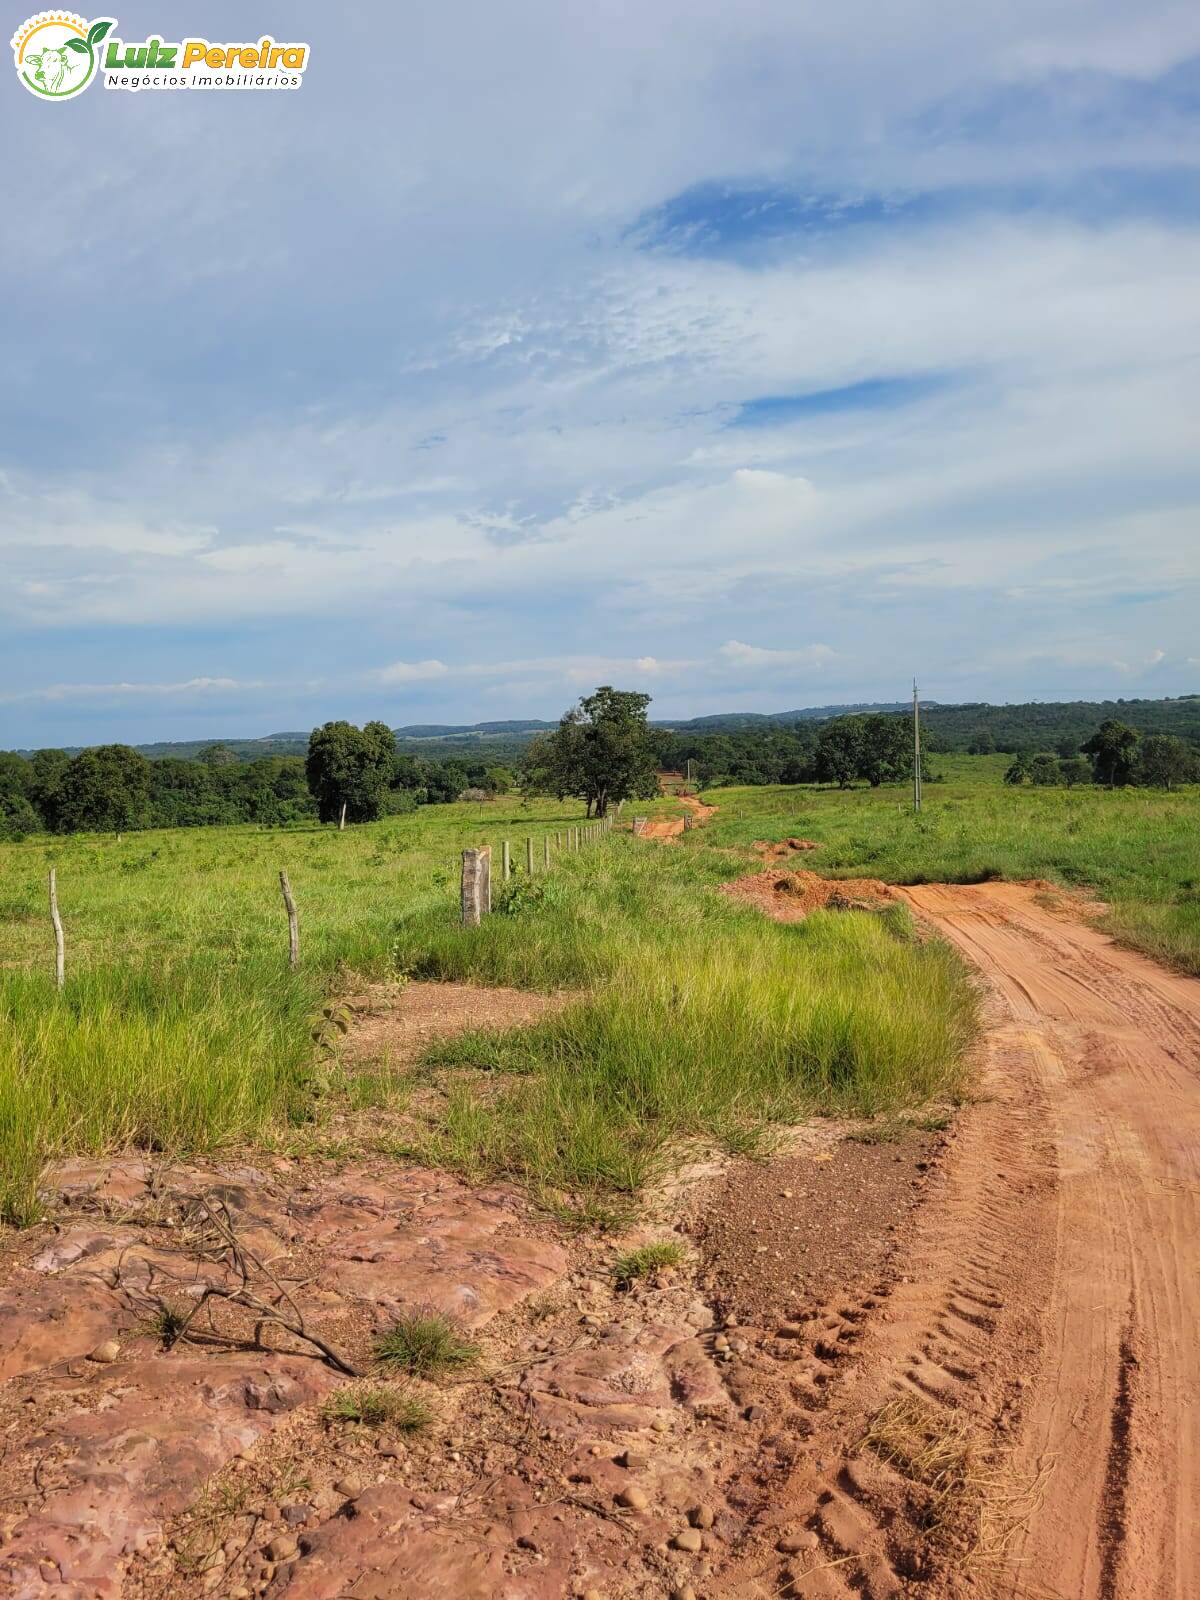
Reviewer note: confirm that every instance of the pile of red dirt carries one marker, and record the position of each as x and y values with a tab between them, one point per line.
781	849
789	896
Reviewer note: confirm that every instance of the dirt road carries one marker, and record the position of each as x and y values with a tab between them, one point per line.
664	828
1098	1050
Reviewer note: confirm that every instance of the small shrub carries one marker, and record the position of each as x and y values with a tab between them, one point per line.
374	1404
167	1324
426	1345
646	1260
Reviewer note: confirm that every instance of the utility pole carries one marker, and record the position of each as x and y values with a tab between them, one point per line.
916	749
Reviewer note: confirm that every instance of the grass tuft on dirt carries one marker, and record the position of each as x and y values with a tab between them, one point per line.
425	1345
376	1405
647	1260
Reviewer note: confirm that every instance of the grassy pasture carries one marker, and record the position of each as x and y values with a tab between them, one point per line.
181	1027
1138	849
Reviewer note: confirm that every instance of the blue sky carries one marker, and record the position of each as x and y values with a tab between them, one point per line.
757	357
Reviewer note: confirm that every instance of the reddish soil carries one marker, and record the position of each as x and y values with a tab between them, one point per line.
790	896
785	1236
948	1366
665	829
398	1026
782	849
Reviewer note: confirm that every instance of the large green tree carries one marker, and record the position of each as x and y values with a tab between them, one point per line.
48	768
602	752
104	790
886	751
17	814
1113	748
351	767
840	751
1163	761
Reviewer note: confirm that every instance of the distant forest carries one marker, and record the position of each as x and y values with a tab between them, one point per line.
264	781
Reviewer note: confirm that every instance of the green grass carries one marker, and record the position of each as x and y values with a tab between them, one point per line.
181	1028
425	1345
377	1404
646	1260
1138	849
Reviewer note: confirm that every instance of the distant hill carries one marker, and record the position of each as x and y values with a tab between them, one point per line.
1029	725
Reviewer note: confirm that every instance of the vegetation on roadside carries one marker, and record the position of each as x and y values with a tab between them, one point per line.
1136	849
181	1028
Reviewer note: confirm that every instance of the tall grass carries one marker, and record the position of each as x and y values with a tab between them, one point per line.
704	1021
1138	849
180	1026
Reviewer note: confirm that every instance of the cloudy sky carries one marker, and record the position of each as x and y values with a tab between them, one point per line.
756	355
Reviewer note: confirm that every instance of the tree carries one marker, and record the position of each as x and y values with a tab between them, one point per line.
498	780
887	750
17	814
217	755
1112	748
106	789
1163	761
840	751
601	751
48	768
1076	770
1045	772
1018	770
349	766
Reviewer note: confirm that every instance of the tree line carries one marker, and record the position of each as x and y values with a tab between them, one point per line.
113	789
1115	755
602	752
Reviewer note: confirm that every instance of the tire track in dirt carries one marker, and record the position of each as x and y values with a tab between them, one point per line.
1113	1421
926	1346
1046	1310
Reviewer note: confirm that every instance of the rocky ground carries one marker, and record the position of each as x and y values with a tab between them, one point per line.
614	1438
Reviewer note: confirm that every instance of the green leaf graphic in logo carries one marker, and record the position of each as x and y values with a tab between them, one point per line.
78	44
97	31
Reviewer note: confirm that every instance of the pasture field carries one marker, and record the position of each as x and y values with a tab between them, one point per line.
1138	849
182	1028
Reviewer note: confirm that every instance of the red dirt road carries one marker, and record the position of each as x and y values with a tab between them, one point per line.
664	828
1103	1047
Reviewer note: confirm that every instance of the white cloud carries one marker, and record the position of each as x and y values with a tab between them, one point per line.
90	691
413	671
750	655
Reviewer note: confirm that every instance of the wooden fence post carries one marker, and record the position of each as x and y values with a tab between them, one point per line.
293	921
60	957
529	857
546	850
476	885
505	862
342	819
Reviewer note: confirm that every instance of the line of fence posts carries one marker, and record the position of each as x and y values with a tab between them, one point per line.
476	899
476	895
